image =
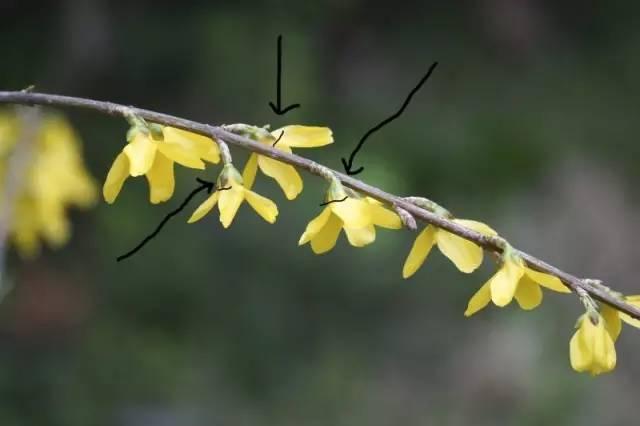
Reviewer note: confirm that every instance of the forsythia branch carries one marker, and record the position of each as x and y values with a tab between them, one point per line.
494	244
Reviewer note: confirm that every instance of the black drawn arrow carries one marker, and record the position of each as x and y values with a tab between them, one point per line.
333	201
349	164
203	185
279	137
278	108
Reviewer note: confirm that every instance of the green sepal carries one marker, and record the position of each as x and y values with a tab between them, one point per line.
156	131
229	174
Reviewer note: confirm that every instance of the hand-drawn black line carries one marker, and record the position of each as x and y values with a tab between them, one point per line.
276	108
333	201
203	185
279	137
349	164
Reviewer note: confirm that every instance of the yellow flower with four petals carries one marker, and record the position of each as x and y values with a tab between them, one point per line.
151	151
514	280
356	216
591	348
287	137
466	255
229	195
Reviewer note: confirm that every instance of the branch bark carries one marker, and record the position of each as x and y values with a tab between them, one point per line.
489	243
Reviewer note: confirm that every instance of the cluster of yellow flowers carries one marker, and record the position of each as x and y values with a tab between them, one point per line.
152	150
54	179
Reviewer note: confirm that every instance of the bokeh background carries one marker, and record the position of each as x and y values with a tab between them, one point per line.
529	124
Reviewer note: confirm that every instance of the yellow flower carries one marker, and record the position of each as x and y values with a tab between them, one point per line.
466	255
151	151
514	280
357	216
285	174
591	348
54	179
229	195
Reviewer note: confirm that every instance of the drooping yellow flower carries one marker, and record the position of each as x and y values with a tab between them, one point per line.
514	280
286	175
229	195
591	348
55	178
357	216
152	151
466	255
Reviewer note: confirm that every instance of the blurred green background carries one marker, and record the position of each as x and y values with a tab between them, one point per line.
529	124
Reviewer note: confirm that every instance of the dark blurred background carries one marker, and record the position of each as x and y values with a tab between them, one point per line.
529	124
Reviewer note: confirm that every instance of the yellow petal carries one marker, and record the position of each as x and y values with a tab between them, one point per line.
479	300
190	146
353	212
360	237
266	208
183	147
611	321
118	173
229	202
419	251
213	154
204	208
53	223
178	154
549	281
141	152
604	352
285	174
528	294
315	226
327	236
161	180
505	282
304	136
25	232
480	227
382	216
250	170
467	256
579	354
635	301
630	320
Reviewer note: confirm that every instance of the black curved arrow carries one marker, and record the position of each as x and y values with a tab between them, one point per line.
278	108
349	164
203	185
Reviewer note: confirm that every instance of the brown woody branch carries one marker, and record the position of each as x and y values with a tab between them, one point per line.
490	243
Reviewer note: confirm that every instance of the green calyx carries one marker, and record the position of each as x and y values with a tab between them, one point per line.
140	125
228	176
336	191
509	254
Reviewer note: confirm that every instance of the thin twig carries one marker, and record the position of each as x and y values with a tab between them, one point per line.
487	242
